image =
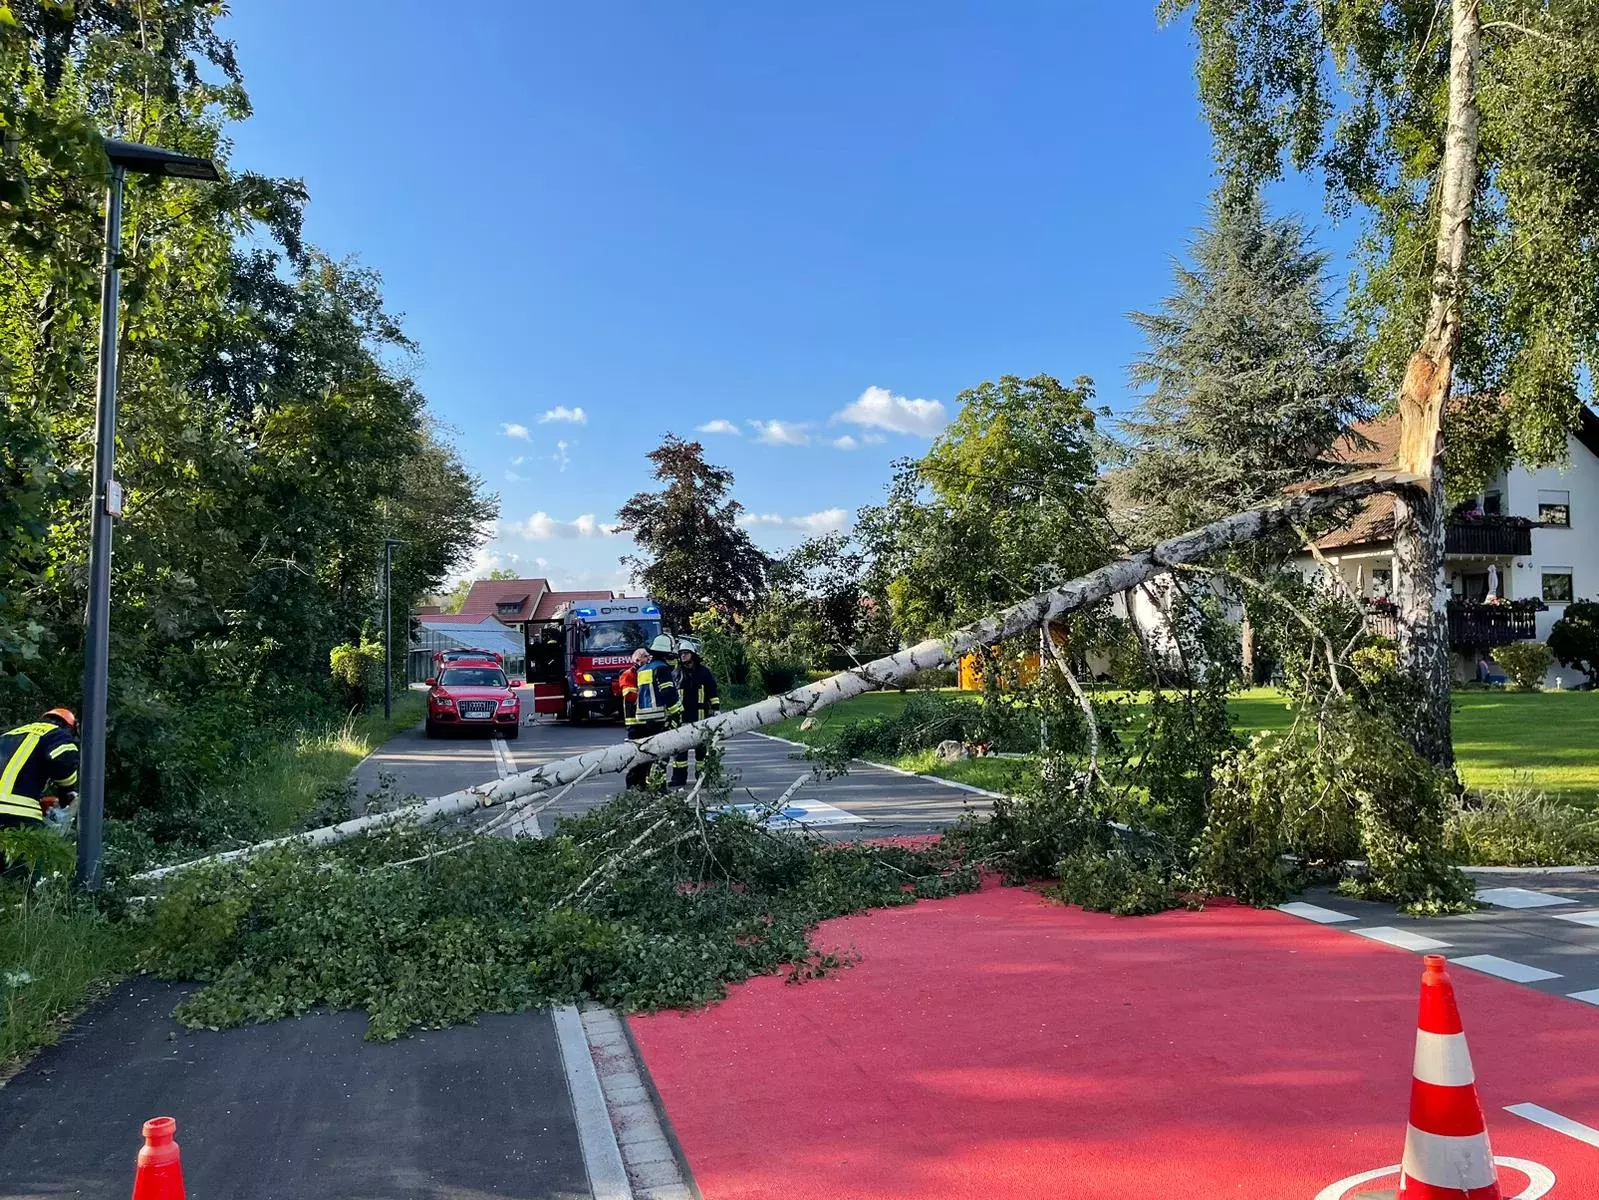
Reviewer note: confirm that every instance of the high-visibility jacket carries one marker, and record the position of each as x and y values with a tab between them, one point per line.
658	696
35	759
700	698
629	682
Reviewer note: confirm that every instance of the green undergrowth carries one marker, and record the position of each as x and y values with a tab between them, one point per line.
646	902
1522	827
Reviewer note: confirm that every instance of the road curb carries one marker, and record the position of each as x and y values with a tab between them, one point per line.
602	1157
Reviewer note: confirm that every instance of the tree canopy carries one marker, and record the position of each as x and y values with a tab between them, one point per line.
270	438
695	555
1248	379
1003	505
1356	91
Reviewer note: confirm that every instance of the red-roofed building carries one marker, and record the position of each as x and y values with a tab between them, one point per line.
519	602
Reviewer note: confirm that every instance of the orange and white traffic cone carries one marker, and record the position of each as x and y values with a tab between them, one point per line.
1446	1145
159	1175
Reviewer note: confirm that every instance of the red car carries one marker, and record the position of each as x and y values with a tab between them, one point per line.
473	695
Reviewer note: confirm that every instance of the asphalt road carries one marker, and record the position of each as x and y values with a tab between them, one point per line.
882	802
302	1108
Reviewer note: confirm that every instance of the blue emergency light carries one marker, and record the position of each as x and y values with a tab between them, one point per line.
651	611
585	612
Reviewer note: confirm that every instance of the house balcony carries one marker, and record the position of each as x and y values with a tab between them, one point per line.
1488	537
1472	626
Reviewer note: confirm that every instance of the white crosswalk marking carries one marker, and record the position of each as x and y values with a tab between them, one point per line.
1314	912
1403	938
1504	968
1515	897
1589	917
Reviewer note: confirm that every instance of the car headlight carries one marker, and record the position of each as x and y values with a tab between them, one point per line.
509	702
590	693
444	702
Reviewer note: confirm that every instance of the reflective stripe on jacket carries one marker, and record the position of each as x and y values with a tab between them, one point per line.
35	758
658	696
700	699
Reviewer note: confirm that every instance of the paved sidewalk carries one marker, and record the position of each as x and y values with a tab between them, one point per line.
302	1108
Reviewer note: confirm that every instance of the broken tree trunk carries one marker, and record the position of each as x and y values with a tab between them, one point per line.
1423	624
1012	622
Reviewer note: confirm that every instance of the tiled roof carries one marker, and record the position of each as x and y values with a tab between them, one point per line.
1368	444
551	602
487	595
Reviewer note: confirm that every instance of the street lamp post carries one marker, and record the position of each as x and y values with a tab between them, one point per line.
106	497
388	658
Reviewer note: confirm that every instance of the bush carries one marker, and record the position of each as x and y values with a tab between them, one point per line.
357	668
1574	638
779	675
1521	827
925	720
1526	663
930	679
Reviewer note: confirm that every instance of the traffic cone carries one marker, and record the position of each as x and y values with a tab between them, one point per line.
159	1175
1446	1144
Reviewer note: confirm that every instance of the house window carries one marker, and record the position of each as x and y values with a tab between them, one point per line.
508	608
1557	584
1492	504
1554	508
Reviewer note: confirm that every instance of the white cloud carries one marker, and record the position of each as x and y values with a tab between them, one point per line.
543	527
879	408
846	443
827	520
513	477
519	460
562	413
872	439
514	430
781	433
541	563
719	426
560	458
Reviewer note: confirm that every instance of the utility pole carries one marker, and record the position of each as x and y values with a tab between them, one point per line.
106	497
388	657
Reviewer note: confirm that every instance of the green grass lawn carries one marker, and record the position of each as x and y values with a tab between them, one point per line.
1549	740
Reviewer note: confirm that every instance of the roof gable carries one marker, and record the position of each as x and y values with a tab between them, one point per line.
489	595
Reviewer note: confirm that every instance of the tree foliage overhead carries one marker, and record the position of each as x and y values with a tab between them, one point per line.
1356	90
1002	506
695	555
1248	380
269	435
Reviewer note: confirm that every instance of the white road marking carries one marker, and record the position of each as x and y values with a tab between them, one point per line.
1539	1115
1539	1179
1515	897
799	813
1492	964
602	1158
1588	917
1591	996
1314	912
1402	938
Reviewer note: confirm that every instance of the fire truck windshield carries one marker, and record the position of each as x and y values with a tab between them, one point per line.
616	637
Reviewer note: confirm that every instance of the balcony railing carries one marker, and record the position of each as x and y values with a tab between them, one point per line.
1472	626
1488	537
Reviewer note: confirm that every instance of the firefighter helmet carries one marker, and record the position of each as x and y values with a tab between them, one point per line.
663	644
65	716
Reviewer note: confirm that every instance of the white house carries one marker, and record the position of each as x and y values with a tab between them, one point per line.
1514	556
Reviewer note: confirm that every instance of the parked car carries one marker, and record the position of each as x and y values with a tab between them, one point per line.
473	695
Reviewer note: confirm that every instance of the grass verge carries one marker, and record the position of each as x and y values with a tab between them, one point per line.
1539	740
56	956
285	785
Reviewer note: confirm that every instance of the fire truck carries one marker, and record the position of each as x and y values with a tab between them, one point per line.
575	661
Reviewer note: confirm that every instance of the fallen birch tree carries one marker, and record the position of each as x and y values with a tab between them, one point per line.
1025	617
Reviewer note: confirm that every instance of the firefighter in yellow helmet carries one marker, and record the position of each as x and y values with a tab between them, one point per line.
37	760
657	704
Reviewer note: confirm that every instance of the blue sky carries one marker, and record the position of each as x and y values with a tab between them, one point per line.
604	222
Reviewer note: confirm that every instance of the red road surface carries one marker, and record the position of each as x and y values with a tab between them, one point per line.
999	1045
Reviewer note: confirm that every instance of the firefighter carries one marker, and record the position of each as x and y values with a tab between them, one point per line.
657	703
700	700
36	759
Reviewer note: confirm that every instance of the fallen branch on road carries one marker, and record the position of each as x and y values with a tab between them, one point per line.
1119	576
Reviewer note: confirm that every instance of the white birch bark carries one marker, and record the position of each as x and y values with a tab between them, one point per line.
1012	622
